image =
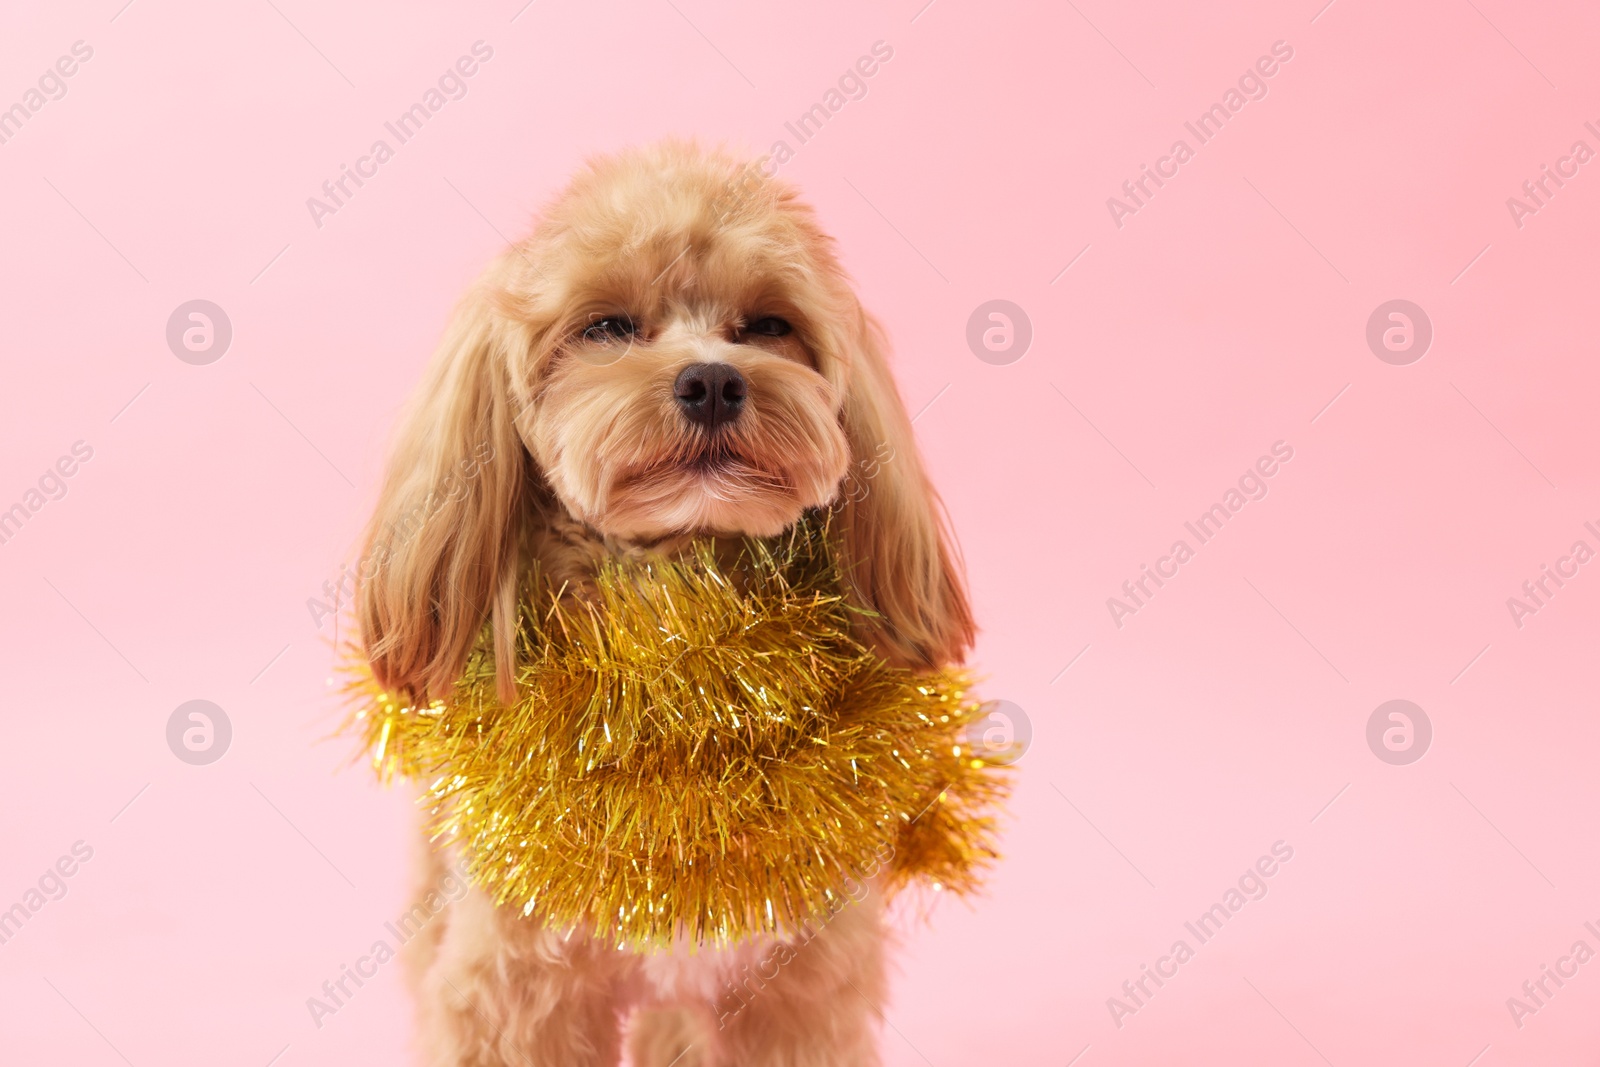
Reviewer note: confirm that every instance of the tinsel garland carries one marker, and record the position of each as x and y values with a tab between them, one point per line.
698	750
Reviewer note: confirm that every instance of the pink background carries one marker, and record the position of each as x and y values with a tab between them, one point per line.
1223	317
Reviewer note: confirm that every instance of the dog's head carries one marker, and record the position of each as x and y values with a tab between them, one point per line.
674	350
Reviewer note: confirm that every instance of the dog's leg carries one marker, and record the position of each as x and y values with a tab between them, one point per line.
814	1000
668	1037
504	992
430	875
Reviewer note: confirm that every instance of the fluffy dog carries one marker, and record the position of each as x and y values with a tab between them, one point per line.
674	352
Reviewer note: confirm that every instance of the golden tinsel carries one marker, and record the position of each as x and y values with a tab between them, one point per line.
699	750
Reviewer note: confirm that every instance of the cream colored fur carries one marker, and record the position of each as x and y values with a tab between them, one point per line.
563	445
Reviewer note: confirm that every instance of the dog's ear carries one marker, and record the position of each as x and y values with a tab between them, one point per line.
442	549
892	537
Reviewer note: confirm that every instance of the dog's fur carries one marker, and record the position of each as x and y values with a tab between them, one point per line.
574	449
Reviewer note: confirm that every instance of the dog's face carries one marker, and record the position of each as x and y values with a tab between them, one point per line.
683	385
674	350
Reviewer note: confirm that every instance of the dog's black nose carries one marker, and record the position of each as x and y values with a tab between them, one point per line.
710	393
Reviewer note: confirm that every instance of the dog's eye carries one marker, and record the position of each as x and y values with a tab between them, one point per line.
611	328
770	326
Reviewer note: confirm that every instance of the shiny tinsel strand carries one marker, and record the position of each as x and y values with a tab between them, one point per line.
697	750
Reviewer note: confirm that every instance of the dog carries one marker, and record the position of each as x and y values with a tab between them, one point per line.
673	353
